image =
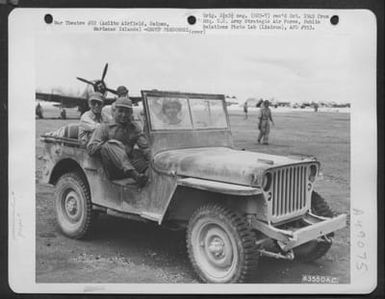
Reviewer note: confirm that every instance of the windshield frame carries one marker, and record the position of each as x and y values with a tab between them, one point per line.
188	96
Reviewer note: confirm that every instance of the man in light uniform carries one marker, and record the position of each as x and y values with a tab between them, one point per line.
264	118
114	142
92	118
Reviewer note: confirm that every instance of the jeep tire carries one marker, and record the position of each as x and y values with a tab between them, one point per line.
315	249
221	246
73	205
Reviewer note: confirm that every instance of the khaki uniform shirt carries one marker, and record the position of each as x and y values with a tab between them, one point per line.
129	135
265	114
88	123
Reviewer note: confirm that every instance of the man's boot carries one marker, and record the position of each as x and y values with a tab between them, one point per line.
140	179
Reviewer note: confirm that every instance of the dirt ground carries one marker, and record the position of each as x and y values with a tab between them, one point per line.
123	251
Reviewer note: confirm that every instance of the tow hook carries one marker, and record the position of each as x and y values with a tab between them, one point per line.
288	256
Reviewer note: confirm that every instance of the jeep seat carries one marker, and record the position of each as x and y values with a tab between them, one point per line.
71	131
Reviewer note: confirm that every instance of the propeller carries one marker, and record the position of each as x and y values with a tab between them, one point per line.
112	91
99	85
85	81
104	71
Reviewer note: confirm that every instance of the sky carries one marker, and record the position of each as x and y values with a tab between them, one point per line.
296	68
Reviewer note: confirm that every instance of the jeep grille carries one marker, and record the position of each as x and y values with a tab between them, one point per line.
289	194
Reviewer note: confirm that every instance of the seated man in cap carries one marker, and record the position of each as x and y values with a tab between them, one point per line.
92	118
114	142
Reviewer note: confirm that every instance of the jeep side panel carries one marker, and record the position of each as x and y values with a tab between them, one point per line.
62	156
103	192
151	202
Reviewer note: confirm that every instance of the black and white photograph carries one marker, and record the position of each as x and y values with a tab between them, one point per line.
184	157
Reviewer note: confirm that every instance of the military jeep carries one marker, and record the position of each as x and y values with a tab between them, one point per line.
234	205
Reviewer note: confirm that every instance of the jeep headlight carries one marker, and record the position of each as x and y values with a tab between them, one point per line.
266	181
312	173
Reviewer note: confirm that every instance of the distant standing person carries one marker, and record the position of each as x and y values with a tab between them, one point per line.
245	109
264	118
39	110
63	113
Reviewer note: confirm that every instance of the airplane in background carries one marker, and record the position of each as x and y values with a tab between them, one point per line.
71	101
275	103
254	102
231	100
257	102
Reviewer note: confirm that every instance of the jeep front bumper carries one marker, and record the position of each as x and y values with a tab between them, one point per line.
316	227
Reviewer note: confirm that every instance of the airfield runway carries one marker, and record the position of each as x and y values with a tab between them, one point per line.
123	251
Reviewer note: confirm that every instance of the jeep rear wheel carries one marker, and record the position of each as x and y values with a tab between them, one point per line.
315	249
221	245
73	205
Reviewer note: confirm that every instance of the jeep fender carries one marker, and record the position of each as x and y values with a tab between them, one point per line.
191	193
64	166
219	187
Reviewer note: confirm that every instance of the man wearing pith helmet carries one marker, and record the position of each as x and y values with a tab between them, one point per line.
122	91
92	118
114	142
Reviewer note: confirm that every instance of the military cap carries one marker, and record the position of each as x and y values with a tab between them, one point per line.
96	96
122	90
123	102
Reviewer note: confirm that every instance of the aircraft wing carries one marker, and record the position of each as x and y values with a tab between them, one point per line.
109	101
135	100
71	101
66	101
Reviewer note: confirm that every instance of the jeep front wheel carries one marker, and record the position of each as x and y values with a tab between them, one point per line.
221	245
315	249
73	205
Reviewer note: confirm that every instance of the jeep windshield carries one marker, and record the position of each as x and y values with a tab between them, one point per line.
186	113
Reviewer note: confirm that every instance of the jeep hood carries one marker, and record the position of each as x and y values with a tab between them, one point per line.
220	164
